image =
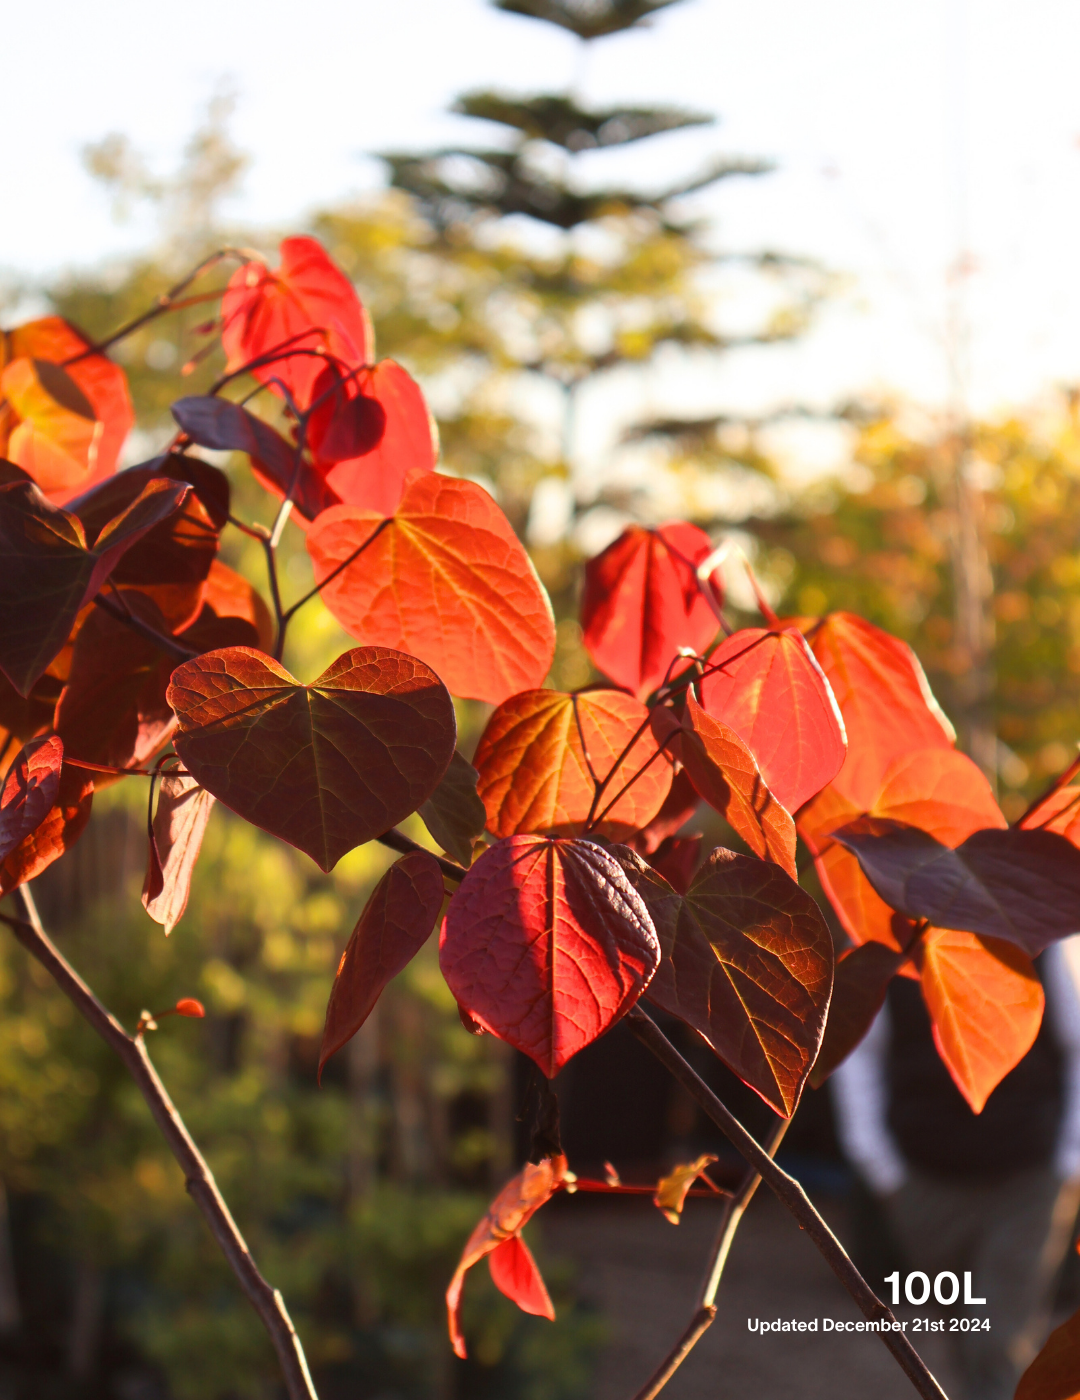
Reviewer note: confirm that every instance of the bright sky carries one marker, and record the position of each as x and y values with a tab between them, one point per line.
903	135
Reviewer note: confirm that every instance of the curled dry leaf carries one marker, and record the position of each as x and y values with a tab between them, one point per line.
309	303
547	944
48	572
506	1217
671	1190
325	766
769	689
725	773
747	962
454	813
396	923
986	1005
642	603
176	837
444	578
30	791
543	752
1021	886
64	424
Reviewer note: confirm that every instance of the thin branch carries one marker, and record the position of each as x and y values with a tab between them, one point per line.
1059	782
202	1187
398	841
705	1303
791	1194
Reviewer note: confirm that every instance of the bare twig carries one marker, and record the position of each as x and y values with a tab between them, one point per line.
705	1303
791	1194
202	1187
170	645
398	841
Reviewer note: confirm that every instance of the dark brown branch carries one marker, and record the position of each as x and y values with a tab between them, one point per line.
705	1303
791	1194
169	645
202	1187
398	841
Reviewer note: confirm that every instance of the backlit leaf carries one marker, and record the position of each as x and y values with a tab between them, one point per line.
642	602
229	594
724	772
325	766
29	792
671	1190
307	301
1055	1372
546	944
887	706
176	837
454	813
62	826
507	1215
1059	812
768	688
92	389
986	1005
747	962
861	980
543	751
676	810
48	572
1022	886
372	475
443	578
225	426
396	923
514	1273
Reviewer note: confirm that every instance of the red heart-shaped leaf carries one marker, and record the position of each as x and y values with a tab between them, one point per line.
308	304
642	603
546	944
767	687
325	766
395	925
444	578
543	752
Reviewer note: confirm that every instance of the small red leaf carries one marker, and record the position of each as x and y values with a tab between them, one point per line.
444	578
372	474
547	944
768	688
62	826
188	1006
30	791
724	772
325	766
642	603
543	751
507	1215
515	1274
308	302
395	924
179	826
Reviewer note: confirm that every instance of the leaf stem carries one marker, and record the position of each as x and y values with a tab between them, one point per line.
202	1187
398	841
167	644
791	1194
705	1303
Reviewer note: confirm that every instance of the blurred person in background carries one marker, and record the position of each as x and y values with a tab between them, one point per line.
994	1193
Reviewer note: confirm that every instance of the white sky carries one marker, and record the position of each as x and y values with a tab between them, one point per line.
878	116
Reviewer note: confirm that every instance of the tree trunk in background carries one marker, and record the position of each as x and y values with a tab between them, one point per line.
10	1311
85	1337
973	591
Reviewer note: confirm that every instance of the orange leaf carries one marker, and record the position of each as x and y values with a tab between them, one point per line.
671	1190
1055	1372
1059	812
986	1004
62	826
98	383
56	440
230	595
724	772
444	578
508	1213
534	760
515	1274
